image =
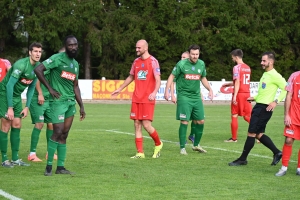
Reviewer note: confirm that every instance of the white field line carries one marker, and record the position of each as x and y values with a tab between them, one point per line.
8	196
214	148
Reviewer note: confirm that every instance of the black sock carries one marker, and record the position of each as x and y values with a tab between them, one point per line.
250	141
60	167
49	168
265	140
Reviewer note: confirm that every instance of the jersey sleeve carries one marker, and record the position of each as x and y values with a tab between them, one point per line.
203	74
18	69
290	82
236	72
155	67
6	63
177	69
132	68
51	62
281	83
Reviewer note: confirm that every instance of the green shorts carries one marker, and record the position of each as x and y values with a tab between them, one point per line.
60	110
17	104
190	110
40	113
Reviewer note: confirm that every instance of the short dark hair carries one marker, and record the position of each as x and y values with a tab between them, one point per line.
66	39
193	47
238	53
270	55
35	44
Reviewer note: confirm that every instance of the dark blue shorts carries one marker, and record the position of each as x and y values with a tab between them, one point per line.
259	118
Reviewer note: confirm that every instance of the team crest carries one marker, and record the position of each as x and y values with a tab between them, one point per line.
263	85
193	68
48	61
142	75
71	65
143	65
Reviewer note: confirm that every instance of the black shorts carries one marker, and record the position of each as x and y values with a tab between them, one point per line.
259	118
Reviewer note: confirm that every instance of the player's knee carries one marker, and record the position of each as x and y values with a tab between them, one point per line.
200	122
289	141
39	125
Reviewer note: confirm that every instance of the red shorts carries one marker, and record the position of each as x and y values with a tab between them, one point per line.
142	111
292	131
243	107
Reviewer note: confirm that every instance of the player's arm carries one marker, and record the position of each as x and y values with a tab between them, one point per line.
236	90
152	96
207	86
281	83
39	71
29	95
128	80
38	88
287	105
168	86
9	95
79	100
172	90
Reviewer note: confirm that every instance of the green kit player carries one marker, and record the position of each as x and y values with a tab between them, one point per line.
19	77
63	88
189	73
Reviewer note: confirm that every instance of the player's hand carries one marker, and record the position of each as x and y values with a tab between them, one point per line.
234	102
287	120
167	95
10	114
24	112
250	99
152	96
116	92
211	95
41	99
82	114
173	99
54	93
271	106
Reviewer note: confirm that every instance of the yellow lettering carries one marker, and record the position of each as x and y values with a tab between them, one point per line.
96	86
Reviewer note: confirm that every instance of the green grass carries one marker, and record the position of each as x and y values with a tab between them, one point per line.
100	146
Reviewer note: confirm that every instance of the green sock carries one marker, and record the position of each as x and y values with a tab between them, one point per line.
182	135
49	133
193	125
35	135
61	154
3	145
15	143
198	133
52	146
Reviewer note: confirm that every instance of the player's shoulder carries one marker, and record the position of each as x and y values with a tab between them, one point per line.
200	62
21	63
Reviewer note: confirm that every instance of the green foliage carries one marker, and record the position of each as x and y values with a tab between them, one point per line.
112	27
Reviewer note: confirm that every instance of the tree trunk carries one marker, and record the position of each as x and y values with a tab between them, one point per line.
87	60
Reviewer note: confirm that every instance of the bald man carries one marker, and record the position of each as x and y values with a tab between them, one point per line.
145	71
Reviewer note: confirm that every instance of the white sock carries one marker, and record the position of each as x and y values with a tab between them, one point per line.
32	153
298	169
284	168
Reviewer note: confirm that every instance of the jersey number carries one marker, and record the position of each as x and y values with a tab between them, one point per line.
246	79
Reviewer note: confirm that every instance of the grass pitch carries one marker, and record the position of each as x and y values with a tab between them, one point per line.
98	150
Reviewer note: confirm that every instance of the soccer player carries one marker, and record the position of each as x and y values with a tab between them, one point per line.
40	114
291	121
4	67
19	77
241	84
269	83
189	73
145	71
63	88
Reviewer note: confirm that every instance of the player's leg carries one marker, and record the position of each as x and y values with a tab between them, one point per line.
48	121
136	115
198	119
192	133
234	121
183	113
286	153
5	127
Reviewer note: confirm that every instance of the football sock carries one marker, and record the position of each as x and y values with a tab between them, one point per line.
249	143
182	135
52	146
298	161
61	154
49	133
286	154
265	140
155	137
3	145
35	135
193	125
234	127
198	133
15	143
247	119
139	145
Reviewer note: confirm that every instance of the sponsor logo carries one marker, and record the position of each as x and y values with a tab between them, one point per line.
26	81
289	131
17	72
75	69
132	114
145	116
187	70
26	74
65	66
174	68
246	70
142	75
226	90
182	115
68	75
192	76
41	117
199	71
48	61
263	85
61	117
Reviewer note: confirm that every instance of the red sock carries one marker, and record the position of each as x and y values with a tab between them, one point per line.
298	159
247	119
286	154
155	137
234	127
139	145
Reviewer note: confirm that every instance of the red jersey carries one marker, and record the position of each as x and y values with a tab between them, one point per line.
242	72
293	86
144	72
4	65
